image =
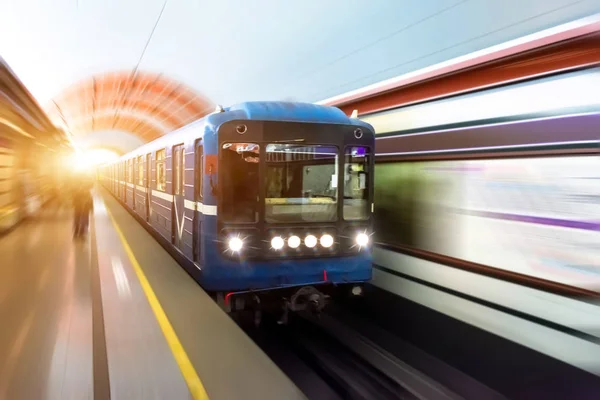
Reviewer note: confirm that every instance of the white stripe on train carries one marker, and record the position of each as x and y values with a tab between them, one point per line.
205	209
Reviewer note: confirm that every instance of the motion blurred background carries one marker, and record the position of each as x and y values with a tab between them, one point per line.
487	166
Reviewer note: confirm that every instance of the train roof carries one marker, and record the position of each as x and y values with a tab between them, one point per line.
260	111
288	111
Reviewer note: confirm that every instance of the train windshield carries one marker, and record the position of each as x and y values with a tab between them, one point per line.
240	184
301	183
356	184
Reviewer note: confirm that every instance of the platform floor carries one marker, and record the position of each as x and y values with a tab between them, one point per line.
113	314
45	311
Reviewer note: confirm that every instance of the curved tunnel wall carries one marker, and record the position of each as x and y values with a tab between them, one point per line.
146	105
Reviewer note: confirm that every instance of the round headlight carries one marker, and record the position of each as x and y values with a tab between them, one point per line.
362	239
310	241
235	244
326	240
277	243
294	242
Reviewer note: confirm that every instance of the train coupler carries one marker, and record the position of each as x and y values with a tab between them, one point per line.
308	298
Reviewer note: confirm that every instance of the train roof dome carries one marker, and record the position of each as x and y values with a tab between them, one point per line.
290	111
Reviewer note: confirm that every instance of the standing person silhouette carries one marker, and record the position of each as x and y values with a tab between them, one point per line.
82	206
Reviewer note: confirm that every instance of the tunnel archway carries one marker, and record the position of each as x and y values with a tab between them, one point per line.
144	104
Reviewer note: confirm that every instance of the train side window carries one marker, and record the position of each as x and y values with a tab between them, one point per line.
148	172
161	176
134	170
182	170
199	170
130	171
140	170
178	169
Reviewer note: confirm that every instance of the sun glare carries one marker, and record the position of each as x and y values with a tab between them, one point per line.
88	159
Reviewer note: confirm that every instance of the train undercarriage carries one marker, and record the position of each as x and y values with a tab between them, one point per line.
310	298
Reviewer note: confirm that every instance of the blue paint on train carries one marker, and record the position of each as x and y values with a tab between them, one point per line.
220	273
187	216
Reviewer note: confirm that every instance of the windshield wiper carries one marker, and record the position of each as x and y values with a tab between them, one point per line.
288	141
321	196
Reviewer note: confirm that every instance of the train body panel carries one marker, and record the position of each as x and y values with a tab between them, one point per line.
222	273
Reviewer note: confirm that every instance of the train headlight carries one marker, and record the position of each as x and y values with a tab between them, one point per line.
310	241
362	239
235	244
277	243
326	240
294	242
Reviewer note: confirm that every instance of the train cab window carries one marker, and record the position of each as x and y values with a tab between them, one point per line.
356	183
161	172
301	183
239	182
140	170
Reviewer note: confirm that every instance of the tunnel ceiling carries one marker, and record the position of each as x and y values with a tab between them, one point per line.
147	105
147	66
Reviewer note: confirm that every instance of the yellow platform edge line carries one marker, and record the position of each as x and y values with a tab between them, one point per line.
185	365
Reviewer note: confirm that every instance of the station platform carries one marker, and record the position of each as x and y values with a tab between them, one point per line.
112	315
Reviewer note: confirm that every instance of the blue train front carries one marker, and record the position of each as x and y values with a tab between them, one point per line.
263	200
293	186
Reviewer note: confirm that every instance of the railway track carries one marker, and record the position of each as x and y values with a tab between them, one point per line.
339	356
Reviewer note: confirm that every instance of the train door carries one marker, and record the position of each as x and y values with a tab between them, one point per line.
120	182
198	216
129	184
9	212
178	195
148	181
125	181
134	183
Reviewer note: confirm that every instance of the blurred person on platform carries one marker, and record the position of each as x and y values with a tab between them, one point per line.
83	204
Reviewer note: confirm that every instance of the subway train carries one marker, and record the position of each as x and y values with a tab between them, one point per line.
487	212
29	153
264	202
504	174
22	191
